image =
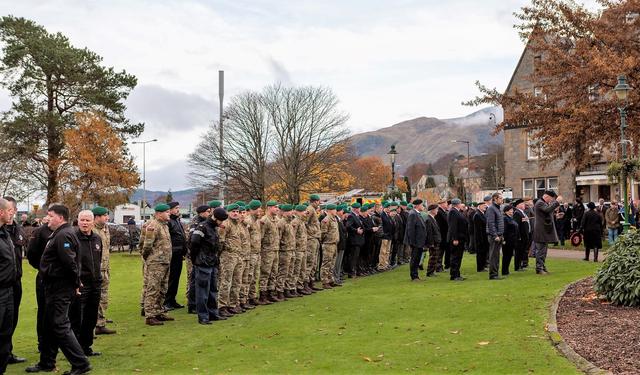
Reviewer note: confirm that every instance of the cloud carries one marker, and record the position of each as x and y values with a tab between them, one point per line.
279	71
172	175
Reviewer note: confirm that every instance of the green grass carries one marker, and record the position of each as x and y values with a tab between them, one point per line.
378	324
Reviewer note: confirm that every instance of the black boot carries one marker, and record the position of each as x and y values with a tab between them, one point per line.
586	254
595	255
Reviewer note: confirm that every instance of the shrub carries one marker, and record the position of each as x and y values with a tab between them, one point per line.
619	278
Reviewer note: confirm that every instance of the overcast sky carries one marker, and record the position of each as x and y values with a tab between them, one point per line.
387	61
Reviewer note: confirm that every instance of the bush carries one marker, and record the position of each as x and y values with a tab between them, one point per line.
619	278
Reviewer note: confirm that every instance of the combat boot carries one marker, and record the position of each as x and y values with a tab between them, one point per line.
253	301
273	296
153	322
237	310
287	294
313	287
281	297
327	286
307	287
164	318
303	292
595	255
248	306
264	300
224	313
142	311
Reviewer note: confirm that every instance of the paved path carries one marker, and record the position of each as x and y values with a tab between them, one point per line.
573	254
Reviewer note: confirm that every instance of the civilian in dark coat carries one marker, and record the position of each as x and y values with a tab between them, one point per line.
442	219
355	239
434	239
415	236
544	231
510	238
457	236
524	237
480	237
591	226
178	251
401	222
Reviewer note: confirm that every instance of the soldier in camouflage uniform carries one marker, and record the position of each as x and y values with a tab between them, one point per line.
330	235
101	217
156	252
231	237
253	224
203	212
300	257
286	251
246	259
313	241
270	243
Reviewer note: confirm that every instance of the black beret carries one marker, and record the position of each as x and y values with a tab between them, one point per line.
220	214
551	193
591	205
417	201
173	204
202	208
432	207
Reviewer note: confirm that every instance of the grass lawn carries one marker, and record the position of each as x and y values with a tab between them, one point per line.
377	324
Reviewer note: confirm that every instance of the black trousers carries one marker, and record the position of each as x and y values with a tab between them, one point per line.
206	291
521	255
447	255
416	254
175	270
444	249
354	258
393	260
507	254
456	252
17	297
481	257
57	333
373	261
6	326
83	314
41	310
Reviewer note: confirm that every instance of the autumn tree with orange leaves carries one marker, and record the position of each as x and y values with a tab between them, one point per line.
578	55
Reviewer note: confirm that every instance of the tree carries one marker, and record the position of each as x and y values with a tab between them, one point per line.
407	185
578	53
430	183
430	171
452	178
371	174
49	81
416	170
95	165
169	197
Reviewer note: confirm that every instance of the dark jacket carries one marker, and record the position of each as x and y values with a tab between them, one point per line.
342	229
495	221
443	222
480	239
510	232
37	243
415	234
401	223
524	231
352	224
544	230
578	212
388	228
90	253
178	239
8	268
591	222
205	244
60	259
16	232
433	232
458	229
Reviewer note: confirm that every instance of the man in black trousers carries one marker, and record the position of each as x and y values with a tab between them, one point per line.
457	237
415	236
442	218
355	231
61	279
524	228
480	235
37	242
178	251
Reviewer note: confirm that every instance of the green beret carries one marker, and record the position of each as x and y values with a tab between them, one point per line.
323	206
286	207
242	208
301	208
385	204
341	207
404	203
331	206
162	207
255	204
314	197
99	211
215	204
356	205
232	207
410	206
241	203
393	204
305	204
364	208
272	203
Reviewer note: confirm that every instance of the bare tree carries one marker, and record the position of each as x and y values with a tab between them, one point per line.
307	127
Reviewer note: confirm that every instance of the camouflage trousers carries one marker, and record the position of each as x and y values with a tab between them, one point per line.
156	282
246	269
254	275
190	294
268	270
328	262
144	282
299	267
285	259
385	252
313	246
231	268
104	297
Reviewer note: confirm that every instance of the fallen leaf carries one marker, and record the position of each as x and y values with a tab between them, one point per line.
454	332
483	343
367	359
381	355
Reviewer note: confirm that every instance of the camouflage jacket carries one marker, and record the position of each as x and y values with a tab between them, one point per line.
300	230
313	224
156	242
253	224
105	236
329	229
269	234
287	236
232	236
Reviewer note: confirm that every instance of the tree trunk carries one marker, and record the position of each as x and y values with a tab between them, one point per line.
54	148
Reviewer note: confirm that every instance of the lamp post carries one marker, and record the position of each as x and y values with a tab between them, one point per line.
392	155
144	173
622	91
464	189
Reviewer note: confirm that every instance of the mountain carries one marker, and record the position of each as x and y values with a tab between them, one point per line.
425	139
185	197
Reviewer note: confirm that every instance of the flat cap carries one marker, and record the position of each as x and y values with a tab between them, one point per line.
417	201
432	207
201	209
551	193
456	201
507	208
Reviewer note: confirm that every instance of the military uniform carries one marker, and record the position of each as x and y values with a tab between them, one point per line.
300	257
270	243
313	243
105	270
255	237
285	255
156	252
330	235
245	257
231	265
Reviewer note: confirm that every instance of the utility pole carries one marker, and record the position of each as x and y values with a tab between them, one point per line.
144	173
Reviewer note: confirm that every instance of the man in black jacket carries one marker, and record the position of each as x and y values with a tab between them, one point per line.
434	239
355	231
480	235
524	230
386	234
342	242
205	251
415	236
442	219
495	234
8	275
457	235
60	271
204	212
404	251
83	312
37	242
178	251
16	232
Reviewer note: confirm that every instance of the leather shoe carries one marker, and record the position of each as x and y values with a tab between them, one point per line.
458	279
217	317
78	371
168	308
142	311
91	353
104	331
204	322
176	305
39	368
496	278
13	359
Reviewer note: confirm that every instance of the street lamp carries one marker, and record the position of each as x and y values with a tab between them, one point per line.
144	173
392	155
622	92
464	189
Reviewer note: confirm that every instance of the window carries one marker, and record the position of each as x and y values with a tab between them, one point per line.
534	151
537	60
527	188
552	184
592	90
537	91
541	186
535	187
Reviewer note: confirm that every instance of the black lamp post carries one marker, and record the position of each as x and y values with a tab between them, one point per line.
392	155
622	92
